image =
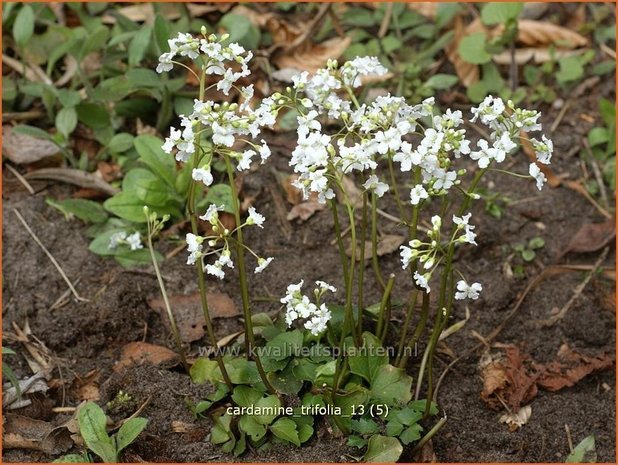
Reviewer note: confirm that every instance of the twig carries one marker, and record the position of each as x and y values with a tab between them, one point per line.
560	116
22	115
75	177
597	173
59	301
21	179
386	21
608	51
578	291
51	257
568	435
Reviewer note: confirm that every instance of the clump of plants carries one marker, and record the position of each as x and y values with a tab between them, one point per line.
321	360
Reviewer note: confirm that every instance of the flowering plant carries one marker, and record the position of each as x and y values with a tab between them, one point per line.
363	388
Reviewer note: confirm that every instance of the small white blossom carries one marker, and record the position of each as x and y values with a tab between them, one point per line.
468	292
417	194
116	239
325	286
544	149
255	218
538	175
194	247
202	174
245	160
422	281
212	213
134	241
374	184
264	151
262	264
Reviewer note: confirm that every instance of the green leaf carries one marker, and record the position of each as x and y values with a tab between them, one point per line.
73	458
367	360
126	205
221	432
69	98
220	194
162	33
364	426
441	81
584	452
246	396
383	449
356	441
536	243
241	445
204	370
66	121
304	425
86	210
598	136
391	386
394	428
93	115
571	69
96	41
285	381
411	434
359	17
284	345
351	401
249	425
242	371
390	44
129	431
23	27
500	13
32	131
285	429
151	154
147	186
472	49
241	30
138	46
92	427
528	255
121	142
269	404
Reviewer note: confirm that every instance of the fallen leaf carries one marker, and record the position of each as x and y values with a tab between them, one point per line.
427	9
535	55
144	352
87	387
592	237
311	57
22	149
535	33
22	432
516	420
109	171
570	368
188	313
389	243
305	210
293	194
73	176
353	194
467	73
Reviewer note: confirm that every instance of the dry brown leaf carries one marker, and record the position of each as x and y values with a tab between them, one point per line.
87	387
144	352
22	432
537	33
468	73
311	57
516	420
145	11
536	55
22	149
354	194
74	176
592	237
257	18
570	368
389	243
577	19
427	9
188	313
305	210
293	194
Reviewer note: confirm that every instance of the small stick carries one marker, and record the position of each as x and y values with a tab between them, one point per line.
568	435
386	21
61	301
558	119
20	178
64	409
597	173
51	257
22	115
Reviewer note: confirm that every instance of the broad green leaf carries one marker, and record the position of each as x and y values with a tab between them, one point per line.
472	49
138	46
367	360
147	186
383	449
500	13
32	131
93	115
365	426
241	30
285	381
151	154
356	441
411	434
394	428
220	194
285	429
69	98
66	121
359	17
246	396
73	458
270	405
121	142
241	445
126	205
204	370
571	69
284	345
598	136
528	255
242	371
304	425
162	33
391	386
95	41
441	81
23	27
351	401
390	44
584	452
221	432
92	428
249	425
86	210
129	431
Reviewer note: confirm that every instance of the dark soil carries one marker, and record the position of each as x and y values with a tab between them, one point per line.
90	335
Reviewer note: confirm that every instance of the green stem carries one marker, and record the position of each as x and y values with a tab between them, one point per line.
340	246
406	325
384	316
168	309
391	170
242	277
374	241
432	432
417	333
361	269
198	264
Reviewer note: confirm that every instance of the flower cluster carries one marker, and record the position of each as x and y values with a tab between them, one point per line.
299	306
226	121
134	240
218	242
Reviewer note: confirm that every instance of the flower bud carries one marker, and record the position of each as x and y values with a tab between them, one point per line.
203	30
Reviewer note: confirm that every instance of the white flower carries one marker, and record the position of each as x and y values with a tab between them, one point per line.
436	222
172	140
538	175
543	149
325	286
489	110
165	63
317	324
116	239
194	247
486	154
462	223
255	218
216	271
374	184
417	194
443	180
202	174
134	241
407	254
468	292
247	95
262	264
212	213
422	281
264	151
245	160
